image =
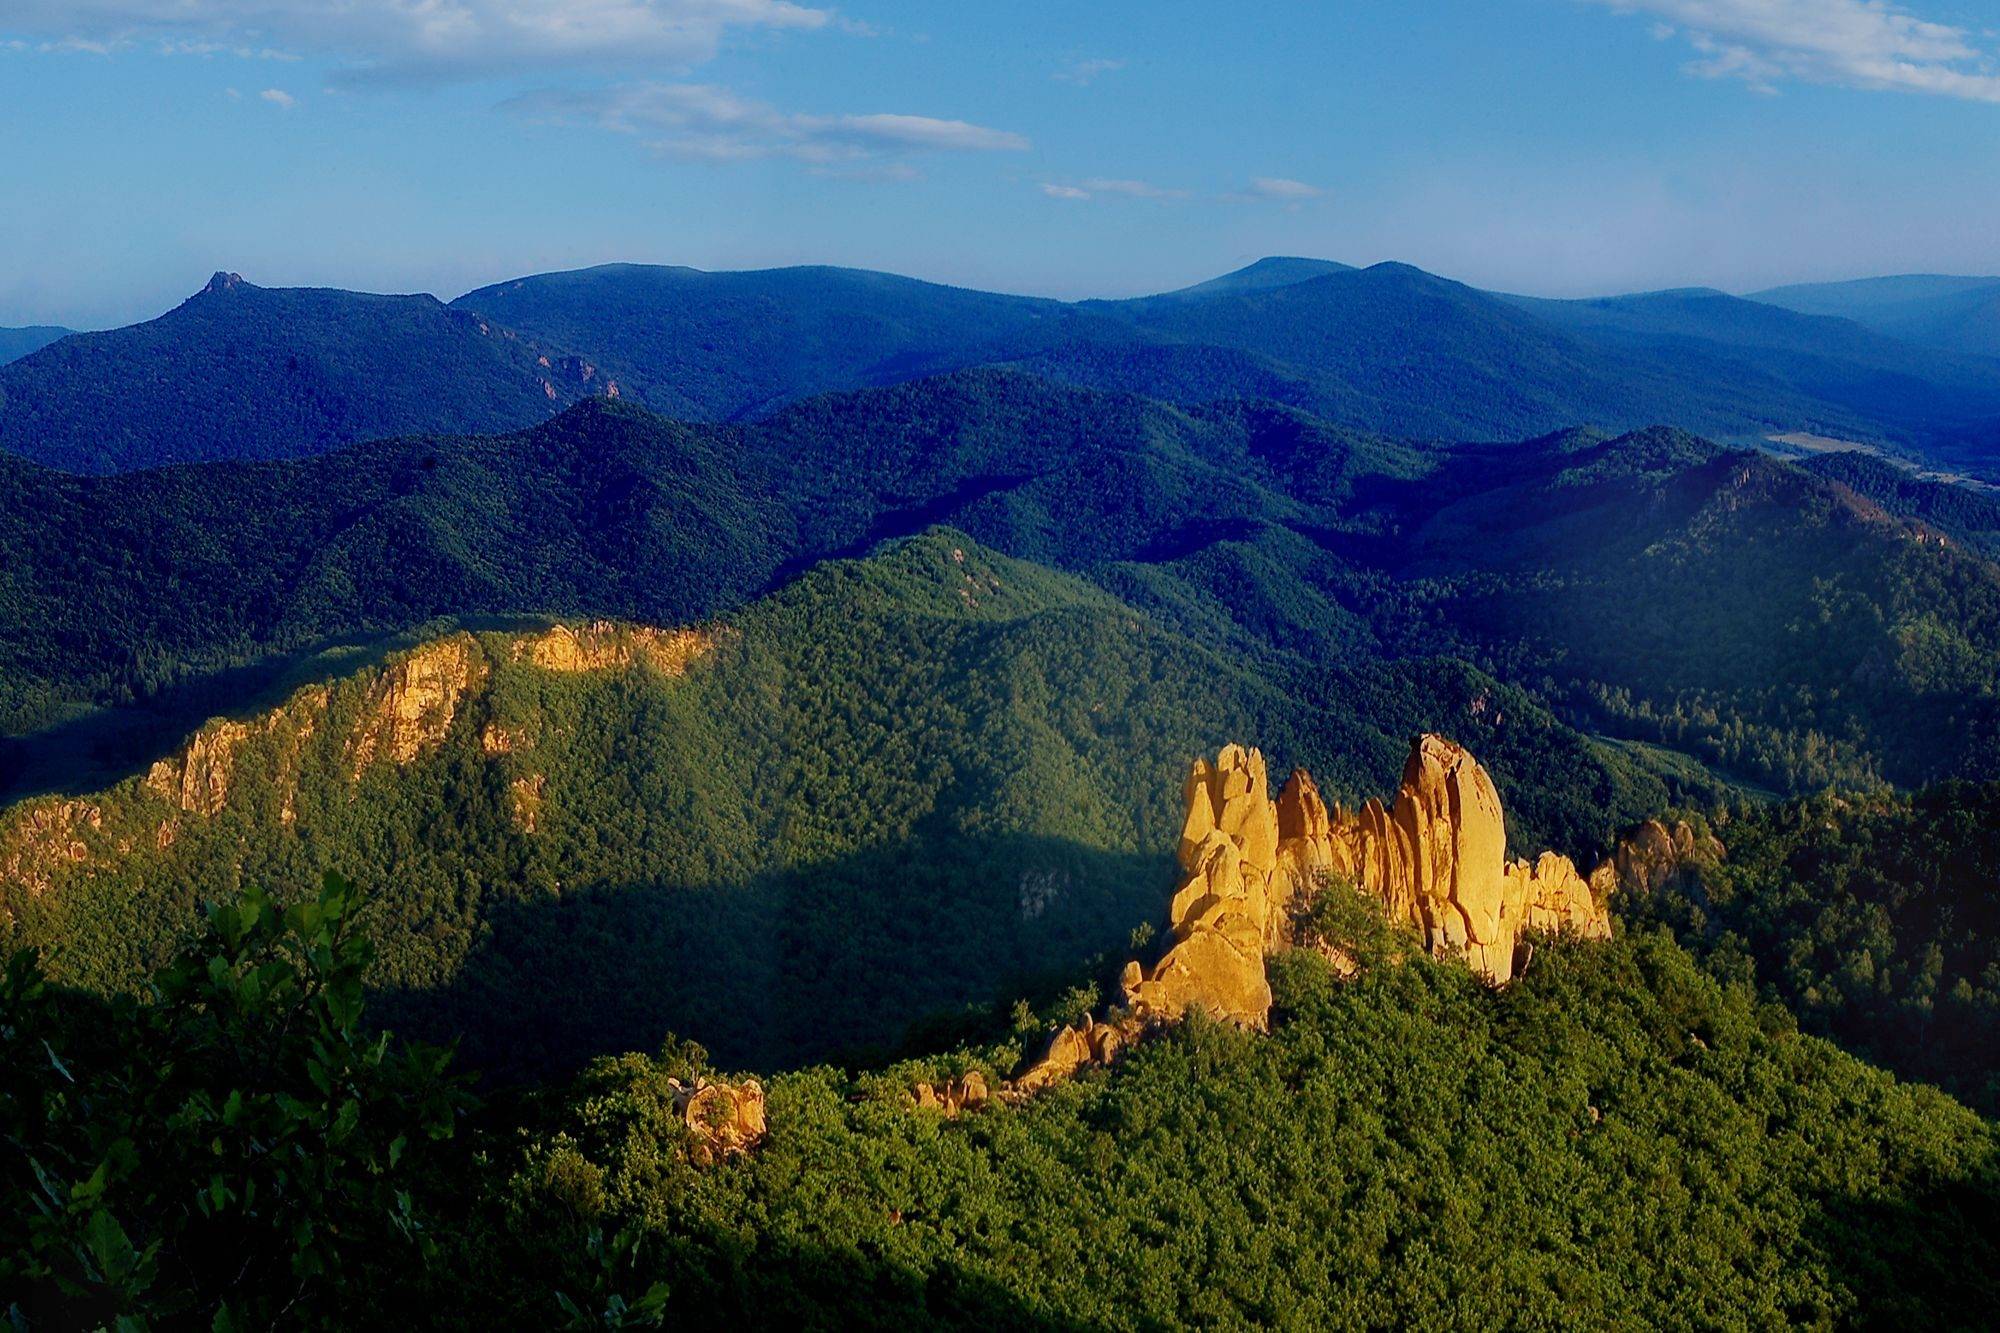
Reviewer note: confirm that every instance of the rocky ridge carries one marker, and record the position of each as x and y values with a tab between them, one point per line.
404	710
1436	860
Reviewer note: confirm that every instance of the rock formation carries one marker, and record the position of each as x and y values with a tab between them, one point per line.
604	646
1651	857
524	798
724	1119
406	709
1224	914
953	1096
48	834
411	707
197	779
1436	860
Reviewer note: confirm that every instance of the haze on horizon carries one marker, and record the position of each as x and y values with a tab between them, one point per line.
1548	147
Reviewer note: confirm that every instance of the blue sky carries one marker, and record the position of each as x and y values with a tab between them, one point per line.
1094	147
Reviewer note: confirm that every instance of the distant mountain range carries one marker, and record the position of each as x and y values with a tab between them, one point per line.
1955	314
17	343
1651	585
245	372
241	372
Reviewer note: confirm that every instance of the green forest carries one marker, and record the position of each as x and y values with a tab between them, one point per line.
1617	1139
904	784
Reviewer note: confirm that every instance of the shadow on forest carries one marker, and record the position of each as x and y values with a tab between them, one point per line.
835	960
1908	1261
772	1283
103	746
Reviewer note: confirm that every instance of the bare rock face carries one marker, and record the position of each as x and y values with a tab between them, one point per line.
1091	1042
412	706
604	646
724	1119
1436	859
1652	856
45	835
524	798
954	1096
1223	915
197	779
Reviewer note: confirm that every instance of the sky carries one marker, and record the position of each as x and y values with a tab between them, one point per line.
1082	148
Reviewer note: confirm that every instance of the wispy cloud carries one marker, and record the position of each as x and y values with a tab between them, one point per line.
415	38
1283	190
1092	187
1082	72
279	98
1869	44
704	121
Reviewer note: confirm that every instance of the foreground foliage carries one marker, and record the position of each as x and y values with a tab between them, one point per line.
1615	1141
238	1151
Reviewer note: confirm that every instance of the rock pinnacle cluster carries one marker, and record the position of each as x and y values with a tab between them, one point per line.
1436	859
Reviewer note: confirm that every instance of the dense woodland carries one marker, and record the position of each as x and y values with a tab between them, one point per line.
1617	1138
240	371
1774	626
1875	919
903	785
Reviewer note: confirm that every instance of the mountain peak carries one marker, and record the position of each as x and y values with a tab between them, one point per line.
223	282
1263	275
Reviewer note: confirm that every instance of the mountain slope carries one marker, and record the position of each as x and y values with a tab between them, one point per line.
17	343
243	372
1616	1140
1721	602
1956	314
720	345
1551	562
900	786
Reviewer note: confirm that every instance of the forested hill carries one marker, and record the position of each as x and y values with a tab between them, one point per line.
1652	585
17	343
929	779
245	372
719	345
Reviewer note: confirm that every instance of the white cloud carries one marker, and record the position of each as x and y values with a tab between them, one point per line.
1082	72
279	98
416	38
704	121
1283	190
1871	44
1093	186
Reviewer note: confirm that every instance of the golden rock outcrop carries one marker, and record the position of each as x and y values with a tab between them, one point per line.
1224	915
953	1096
405	709
45	835
1652	856
412	705
604	646
1436	860
197	779
724	1119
